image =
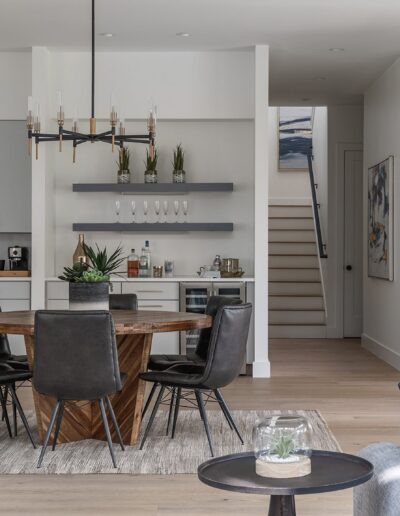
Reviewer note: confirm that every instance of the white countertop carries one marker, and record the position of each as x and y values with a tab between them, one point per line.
177	279
13	278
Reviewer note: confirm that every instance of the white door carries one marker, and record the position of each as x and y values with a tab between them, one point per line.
353	244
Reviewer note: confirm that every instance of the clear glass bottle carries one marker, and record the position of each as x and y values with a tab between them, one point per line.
217	262
143	265
147	252
79	255
133	265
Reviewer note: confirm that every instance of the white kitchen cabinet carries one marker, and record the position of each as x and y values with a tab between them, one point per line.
163	342
15	295
153	290
16	178
57	294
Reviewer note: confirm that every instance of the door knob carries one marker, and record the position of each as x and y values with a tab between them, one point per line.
349	268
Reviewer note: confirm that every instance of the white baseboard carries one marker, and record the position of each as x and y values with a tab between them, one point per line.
296	201
381	351
261	370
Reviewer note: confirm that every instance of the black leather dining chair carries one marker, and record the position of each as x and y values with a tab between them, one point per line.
76	359
16	361
225	358
123	302
8	379
198	357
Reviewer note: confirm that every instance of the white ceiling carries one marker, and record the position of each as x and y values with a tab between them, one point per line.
299	32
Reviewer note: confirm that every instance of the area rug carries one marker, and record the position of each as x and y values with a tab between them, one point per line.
161	454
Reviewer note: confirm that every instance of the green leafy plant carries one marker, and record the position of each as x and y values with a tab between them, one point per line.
283	447
123	159
179	157
98	269
151	162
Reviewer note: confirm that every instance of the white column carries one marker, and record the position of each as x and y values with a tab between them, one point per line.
41	183
261	365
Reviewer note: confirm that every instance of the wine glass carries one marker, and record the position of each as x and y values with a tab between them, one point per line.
184	210
165	210
176	210
145	210
117	209
157	210
133	210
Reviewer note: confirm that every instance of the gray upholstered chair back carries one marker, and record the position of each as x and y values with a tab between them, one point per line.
123	302
213	305
75	354
227	349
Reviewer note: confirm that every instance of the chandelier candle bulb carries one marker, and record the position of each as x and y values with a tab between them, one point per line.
30	104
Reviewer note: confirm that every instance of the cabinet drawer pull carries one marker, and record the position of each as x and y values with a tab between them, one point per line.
152	291
150	306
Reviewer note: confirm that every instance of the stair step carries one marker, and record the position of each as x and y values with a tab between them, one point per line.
291	223
295	302
293	262
297	331
292	248
297	317
290	211
291	235
293	274
295	288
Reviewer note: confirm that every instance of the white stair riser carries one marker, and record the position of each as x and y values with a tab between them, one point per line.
290	211
294	275
293	303
295	289
294	317
297	332
278	235
291	223
292	248
293	261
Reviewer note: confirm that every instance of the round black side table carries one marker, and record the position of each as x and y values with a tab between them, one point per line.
330	471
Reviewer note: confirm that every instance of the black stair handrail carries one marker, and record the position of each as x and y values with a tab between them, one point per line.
314	185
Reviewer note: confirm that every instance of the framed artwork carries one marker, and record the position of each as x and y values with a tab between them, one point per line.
295	137
380	220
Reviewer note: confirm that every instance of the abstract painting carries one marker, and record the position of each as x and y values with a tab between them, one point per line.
295	137
380	220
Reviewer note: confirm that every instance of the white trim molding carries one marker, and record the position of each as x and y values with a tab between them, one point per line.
381	351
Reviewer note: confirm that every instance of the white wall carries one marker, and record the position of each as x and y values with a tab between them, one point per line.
382	139
15	84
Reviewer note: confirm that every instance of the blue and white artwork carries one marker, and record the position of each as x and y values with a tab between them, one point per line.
295	137
380	220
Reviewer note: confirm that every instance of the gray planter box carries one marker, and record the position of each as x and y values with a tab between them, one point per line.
89	296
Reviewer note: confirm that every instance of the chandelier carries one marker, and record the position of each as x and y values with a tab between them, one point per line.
110	136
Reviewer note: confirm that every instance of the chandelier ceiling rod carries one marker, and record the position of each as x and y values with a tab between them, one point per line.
93	57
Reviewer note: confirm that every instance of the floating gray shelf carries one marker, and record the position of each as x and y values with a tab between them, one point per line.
153	227
152	188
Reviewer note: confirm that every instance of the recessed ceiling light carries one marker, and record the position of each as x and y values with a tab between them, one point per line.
319	78
336	49
106	34
183	34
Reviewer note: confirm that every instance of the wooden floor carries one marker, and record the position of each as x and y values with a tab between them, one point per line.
355	392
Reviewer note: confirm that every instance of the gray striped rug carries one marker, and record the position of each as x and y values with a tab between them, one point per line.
161	455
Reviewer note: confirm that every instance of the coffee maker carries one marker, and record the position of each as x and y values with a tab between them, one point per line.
18	258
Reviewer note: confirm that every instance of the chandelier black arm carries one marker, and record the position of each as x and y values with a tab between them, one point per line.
73	133
106	133
78	142
125	136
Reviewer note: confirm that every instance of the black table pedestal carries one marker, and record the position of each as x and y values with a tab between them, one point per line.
282	506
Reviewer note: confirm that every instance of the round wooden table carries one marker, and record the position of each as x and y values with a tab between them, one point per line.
134	331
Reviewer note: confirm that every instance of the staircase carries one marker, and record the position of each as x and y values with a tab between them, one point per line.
296	302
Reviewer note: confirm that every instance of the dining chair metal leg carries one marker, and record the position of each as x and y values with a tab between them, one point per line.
58	425
176	412
5	400
203	413
21	413
153	415
48	433
227	412
5	414
14	407
150	397
107	430
115	422
171	407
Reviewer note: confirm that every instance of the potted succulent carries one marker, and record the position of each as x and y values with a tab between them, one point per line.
179	175
124	175
150	174
89	283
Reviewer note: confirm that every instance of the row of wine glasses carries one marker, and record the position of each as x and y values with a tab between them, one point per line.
140	211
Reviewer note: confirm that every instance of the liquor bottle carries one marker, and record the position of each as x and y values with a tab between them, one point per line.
143	265
79	255
133	265
147	252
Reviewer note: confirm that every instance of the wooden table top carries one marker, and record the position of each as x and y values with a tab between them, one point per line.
126	322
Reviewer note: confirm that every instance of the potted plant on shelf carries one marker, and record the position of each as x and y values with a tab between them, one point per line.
89	283
124	175
150	174
179	175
